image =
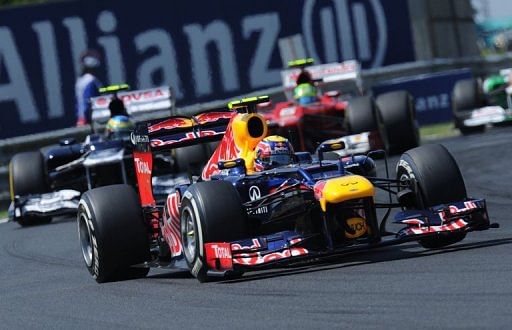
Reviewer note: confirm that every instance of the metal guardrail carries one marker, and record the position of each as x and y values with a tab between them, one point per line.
480	66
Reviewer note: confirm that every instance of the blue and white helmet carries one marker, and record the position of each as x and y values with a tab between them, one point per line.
273	151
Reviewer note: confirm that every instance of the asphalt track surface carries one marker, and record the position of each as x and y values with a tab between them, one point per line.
44	284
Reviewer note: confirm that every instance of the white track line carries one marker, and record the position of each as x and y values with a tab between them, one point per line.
3	220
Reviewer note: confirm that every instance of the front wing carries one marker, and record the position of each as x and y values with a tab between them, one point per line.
56	203
289	246
487	115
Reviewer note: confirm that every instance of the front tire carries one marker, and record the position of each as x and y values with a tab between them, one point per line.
27	177
112	233
210	212
436	179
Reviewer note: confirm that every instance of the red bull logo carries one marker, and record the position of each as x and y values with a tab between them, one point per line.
210	117
170	124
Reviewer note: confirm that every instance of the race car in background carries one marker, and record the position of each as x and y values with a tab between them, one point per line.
310	117
476	104
234	219
49	182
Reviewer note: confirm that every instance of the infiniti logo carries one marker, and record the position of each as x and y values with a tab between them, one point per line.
254	193
138	138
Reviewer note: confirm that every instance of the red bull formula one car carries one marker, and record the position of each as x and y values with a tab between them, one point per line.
233	219
310	116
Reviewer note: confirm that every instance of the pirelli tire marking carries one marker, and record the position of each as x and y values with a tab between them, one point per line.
408	169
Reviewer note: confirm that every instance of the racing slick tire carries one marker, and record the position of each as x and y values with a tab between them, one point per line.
397	121
436	179
26	177
465	98
112	233
361	115
210	211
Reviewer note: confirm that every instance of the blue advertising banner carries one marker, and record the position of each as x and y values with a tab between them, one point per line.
432	93
205	50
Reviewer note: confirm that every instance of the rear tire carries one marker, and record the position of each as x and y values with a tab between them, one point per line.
112	233
435	178
27	177
210	212
361	115
397	121
465	98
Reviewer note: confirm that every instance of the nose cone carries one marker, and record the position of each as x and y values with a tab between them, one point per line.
342	189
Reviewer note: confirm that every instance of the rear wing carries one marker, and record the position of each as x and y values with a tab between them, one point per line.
349	71
180	131
170	133
137	103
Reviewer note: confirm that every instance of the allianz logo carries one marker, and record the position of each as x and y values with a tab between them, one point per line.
336	29
433	102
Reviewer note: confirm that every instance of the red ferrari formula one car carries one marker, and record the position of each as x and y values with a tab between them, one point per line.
310	117
258	204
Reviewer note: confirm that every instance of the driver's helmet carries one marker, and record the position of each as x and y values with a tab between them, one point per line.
119	127
273	151
305	93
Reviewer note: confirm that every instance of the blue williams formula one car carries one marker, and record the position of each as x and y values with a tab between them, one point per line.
238	216
48	182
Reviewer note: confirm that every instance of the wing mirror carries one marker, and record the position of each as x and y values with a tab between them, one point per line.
238	164
328	146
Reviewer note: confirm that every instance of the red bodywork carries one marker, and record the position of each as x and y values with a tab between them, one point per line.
310	123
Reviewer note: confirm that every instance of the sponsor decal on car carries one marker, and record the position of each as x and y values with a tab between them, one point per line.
254	193
258	258
135	138
142	166
358	226
218	256
187	136
456	225
171	224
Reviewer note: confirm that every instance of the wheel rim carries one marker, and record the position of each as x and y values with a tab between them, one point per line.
410	181
188	233
84	233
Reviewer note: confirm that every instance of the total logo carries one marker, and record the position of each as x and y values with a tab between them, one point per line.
221	252
142	166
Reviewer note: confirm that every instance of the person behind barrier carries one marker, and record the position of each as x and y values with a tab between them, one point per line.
87	86
273	151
